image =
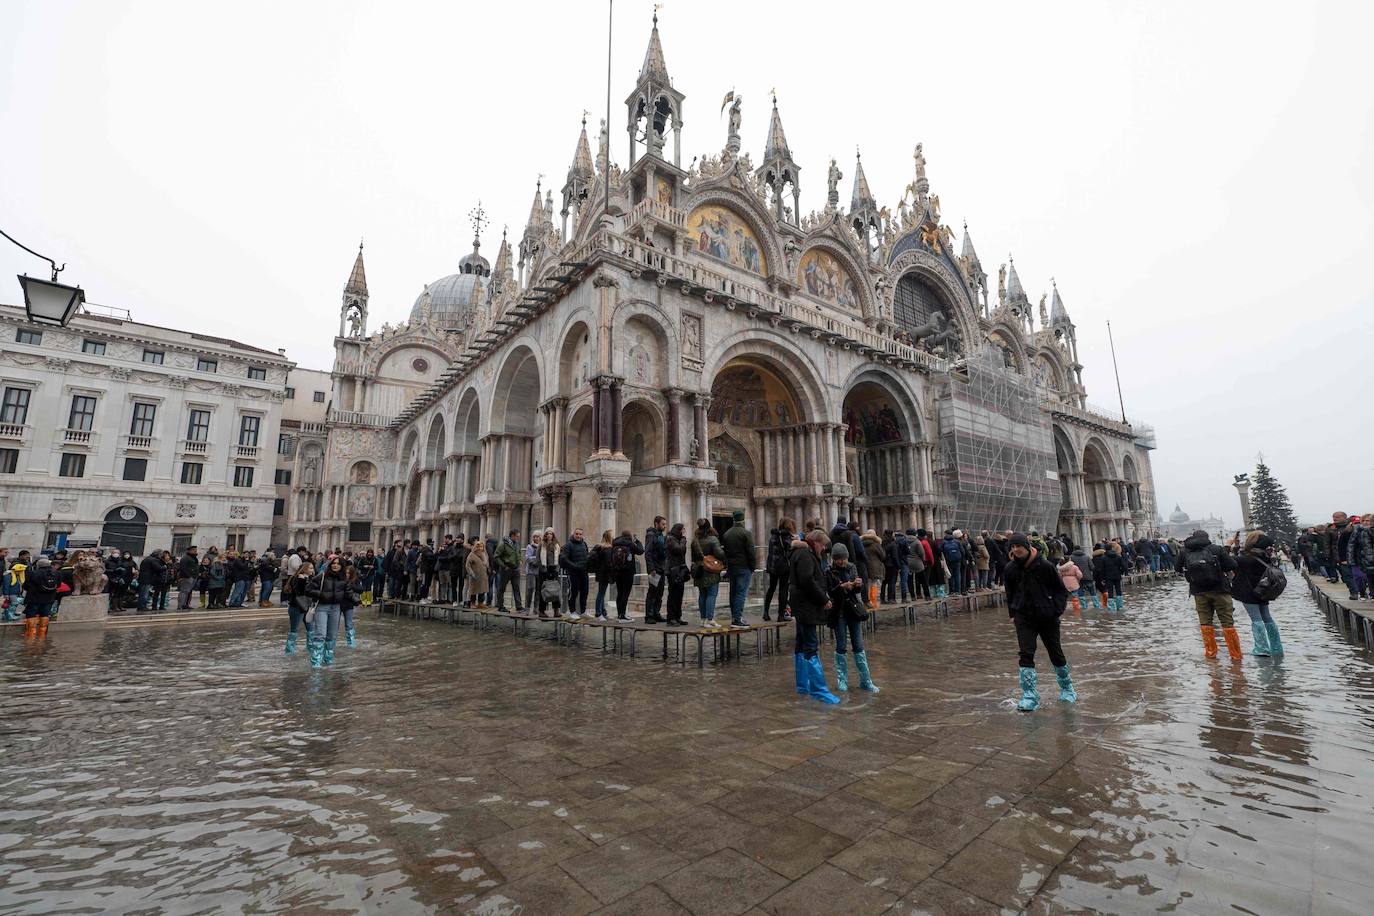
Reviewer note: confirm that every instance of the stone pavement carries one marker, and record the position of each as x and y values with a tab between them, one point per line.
444	770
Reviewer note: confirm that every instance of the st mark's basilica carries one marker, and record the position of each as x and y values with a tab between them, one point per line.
688	344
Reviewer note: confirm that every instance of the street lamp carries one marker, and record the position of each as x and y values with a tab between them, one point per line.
47	301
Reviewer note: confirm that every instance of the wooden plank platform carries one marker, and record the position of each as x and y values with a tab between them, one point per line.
1355	619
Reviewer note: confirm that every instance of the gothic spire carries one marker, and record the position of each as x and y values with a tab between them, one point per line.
778	170
862	198
967	251
537	208
357	280
1014	290
582	168
654	64
776	147
1058	314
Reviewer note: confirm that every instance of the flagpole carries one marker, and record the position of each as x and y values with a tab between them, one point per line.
606	201
1117	373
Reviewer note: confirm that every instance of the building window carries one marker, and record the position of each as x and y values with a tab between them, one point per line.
290	393
283	477
234	542
15	408
278	507
360	531
93	347
82	416
73	465
198	426
180	541
206	365
25	336
9	460
135	468
248	429
243	476
191	472
144	414
153	356
319	397
258	373
283	444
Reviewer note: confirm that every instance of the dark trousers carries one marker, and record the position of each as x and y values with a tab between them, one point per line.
624	583
1047	631
675	590
776	582
920	587
509	577
653	600
577	591
808	639
889	590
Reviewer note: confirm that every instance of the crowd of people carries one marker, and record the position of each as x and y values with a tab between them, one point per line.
817	576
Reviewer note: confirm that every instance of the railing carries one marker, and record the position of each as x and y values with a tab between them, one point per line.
195	447
1144	435
13	430
650	207
77	436
1096	417
355	418
245	451
319	429
138	443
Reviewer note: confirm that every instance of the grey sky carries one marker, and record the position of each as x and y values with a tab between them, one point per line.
1200	174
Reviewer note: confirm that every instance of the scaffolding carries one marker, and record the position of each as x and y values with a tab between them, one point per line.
996	467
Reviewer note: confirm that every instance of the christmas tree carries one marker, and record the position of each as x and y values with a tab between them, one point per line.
1270	510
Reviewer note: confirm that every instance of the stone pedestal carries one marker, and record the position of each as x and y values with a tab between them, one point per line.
83	609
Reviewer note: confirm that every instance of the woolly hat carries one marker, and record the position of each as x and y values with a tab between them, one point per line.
43	561
839	552
1019	540
738	515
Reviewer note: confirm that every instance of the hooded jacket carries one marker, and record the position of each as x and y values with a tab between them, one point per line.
574	555
1071	575
1199	542
808	596
1034	590
1084	563
872	559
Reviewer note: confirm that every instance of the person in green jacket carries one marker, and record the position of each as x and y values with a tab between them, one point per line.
508	570
739	566
707	581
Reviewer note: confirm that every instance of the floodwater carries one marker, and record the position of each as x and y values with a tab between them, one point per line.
438	769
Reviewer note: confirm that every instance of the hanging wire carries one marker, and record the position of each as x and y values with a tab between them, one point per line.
55	269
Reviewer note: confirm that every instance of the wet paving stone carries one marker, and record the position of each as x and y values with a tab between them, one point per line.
438	769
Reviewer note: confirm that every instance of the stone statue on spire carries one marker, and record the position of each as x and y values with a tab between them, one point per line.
832	184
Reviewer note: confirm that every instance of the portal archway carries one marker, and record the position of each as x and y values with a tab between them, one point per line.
125	529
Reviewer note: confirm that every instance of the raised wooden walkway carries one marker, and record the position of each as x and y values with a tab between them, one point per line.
1353	618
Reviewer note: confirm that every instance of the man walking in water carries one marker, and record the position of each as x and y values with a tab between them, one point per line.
1206	567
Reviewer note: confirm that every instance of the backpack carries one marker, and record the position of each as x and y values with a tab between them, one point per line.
1271	584
1202	569
621	557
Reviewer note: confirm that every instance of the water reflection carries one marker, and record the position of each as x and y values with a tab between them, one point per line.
166	768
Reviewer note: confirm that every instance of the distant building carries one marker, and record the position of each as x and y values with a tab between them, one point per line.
304	410
1180	524
135	436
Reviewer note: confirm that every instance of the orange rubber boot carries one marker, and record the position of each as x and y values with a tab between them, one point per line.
30	627
1232	643
43	628
1209	641
1076	606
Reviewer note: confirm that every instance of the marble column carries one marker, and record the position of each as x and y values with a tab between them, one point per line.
699	403
675	505
617	396
674	431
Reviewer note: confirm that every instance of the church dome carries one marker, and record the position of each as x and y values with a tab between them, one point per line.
1178	516
452	298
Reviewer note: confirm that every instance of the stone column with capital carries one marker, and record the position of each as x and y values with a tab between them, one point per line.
617	396
675	504
608	493
699	404
674	431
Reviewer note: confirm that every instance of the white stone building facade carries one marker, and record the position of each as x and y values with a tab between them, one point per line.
135	436
683	343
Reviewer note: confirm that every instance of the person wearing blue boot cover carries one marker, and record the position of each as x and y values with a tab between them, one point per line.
1035	601
811	609
847	615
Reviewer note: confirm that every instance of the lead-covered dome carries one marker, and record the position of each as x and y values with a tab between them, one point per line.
453	298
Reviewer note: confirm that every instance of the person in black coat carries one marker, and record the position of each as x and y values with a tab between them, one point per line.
574	559
811	609
1035	600
333	590
40	597
149	578
1252	564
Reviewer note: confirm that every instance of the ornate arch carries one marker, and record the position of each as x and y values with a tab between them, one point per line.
584	316
783	358
522	350
842	252
435	441
936	272
747	207
1016	344
1052	356
1064	447
467	422
661	325
1104	455
895	385
374	359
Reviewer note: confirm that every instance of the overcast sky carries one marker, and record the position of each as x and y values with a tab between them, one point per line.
1200	174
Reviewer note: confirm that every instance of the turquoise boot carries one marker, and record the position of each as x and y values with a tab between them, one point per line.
865	678
1275	644
316	652
291	643
328	652
1066	692
1261	638
815	676
1030	696
351	637
803	687
1097	603
841	673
